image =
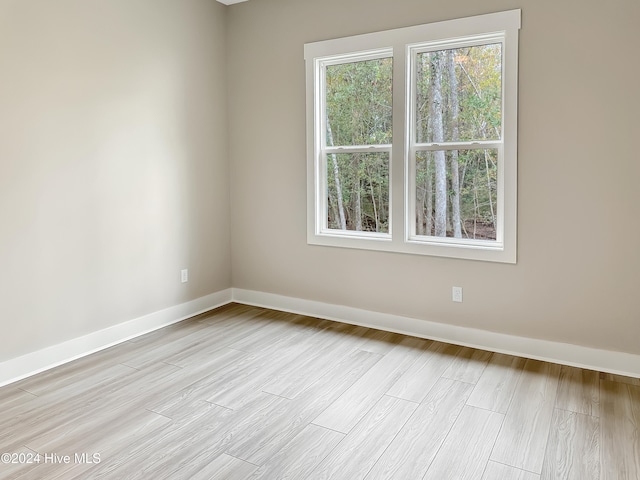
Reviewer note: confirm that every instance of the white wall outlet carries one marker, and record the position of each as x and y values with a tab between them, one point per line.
456	294
184	275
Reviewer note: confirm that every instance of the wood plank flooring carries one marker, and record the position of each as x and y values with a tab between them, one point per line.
248	393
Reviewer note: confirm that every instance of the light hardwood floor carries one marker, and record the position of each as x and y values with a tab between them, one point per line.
248	393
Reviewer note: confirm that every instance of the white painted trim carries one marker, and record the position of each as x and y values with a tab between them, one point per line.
563	353
35	362
231	2
32	363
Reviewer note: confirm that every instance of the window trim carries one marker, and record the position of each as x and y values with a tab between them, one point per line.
400	42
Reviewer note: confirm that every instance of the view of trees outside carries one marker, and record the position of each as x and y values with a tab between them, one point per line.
358	104
458	99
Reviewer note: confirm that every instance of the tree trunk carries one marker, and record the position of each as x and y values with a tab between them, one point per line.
438	137
429	196
336	176
358	208
382	211
476	206
356	191
373	200
455	136
420	207
334	209
421	190
486	166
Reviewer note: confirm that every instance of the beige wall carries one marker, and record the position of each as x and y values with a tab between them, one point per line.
113	163
577	273
114	168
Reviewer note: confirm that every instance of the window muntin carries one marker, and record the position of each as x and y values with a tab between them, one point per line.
486	140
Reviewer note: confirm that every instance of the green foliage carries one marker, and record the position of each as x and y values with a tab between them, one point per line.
359	102
364	178
359	112
479	93
359	108
478	192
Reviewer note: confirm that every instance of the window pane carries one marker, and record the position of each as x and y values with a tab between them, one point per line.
459	94
358	192
358	102
456	193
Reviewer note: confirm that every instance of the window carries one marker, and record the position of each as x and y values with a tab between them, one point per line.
356	148
412	139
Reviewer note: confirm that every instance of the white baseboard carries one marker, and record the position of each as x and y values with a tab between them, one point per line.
563	353
26	365
619	363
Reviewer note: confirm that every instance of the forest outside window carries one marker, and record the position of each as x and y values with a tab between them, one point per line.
412	139
356	142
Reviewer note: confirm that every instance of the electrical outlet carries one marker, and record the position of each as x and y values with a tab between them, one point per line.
184	275
456	294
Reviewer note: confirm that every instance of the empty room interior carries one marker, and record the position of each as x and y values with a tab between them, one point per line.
338	239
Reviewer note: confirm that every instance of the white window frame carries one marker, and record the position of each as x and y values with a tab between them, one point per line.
403	44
